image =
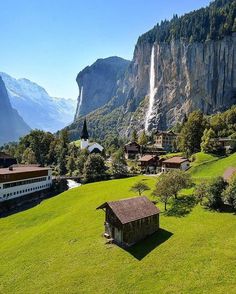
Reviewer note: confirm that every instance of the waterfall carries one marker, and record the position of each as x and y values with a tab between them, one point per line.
152	90
80	100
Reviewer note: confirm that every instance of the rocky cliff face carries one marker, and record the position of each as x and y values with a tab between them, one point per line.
12	126
98	83
187	77
180	65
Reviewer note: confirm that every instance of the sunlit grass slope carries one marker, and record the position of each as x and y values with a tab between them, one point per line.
57	247
207	166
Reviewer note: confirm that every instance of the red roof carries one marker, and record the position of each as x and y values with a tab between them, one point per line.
21	169
175	159
148	157
132	209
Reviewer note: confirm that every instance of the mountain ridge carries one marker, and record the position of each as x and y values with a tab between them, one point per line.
12	125
34	104
193	65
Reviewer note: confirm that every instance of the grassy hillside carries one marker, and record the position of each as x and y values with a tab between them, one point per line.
57	247
207	166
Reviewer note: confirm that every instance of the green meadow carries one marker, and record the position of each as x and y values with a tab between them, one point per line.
57	246
206	166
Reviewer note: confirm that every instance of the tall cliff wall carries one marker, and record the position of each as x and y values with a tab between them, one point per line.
200	75
98	83
180	65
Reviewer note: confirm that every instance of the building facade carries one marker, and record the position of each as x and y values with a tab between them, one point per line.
166	140
175	163
132	150
130	220
18	181
149	164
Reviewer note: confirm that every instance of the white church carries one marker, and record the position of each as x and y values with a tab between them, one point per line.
84	143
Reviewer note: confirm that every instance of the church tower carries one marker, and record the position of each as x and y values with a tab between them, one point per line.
84	143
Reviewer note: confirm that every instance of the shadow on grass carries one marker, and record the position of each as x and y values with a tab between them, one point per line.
182	206
144	247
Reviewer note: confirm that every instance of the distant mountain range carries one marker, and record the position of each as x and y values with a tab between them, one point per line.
36	107
12	126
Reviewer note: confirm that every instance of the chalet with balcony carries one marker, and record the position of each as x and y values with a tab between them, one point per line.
176	162
132	150
150	164
166	140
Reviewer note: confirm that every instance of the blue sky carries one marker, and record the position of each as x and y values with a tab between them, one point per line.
50	41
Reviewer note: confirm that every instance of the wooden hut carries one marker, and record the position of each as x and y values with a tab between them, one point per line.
130	220
132	149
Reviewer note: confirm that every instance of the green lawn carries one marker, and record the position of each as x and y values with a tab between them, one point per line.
57	247
77	143
207	166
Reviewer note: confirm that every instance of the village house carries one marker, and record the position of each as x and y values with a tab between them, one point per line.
132	150
130	220
17	181
176	162
6	160
149	164
84	143
166	140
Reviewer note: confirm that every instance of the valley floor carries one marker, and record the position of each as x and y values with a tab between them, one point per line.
57	247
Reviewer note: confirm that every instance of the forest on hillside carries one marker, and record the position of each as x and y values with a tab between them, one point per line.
210	23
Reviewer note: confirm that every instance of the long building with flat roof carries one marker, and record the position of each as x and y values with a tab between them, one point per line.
17	181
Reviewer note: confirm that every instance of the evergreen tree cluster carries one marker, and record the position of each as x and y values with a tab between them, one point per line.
211	23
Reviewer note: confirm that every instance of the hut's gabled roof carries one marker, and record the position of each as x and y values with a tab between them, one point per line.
131	209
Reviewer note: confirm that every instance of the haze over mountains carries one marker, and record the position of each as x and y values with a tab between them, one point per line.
12	126
36	107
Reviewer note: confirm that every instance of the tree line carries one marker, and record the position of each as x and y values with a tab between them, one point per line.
211	23
199	132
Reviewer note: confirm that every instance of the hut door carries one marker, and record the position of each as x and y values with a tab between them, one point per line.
118	236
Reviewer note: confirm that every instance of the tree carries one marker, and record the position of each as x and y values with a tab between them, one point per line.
143	140
230	192
64	138
140	187
71	165
119	164
28	156
94	168
62	162
169	184
134	136
178	180
162	190
201	191
208	145
215	193
191	133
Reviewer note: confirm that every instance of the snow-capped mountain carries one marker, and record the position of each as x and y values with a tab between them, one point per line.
38	109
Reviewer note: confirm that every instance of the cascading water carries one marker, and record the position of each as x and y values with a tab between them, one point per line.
152	91
80	100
